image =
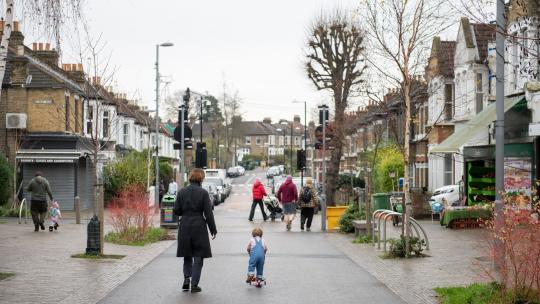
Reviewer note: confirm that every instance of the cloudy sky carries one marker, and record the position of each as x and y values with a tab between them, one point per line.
256	47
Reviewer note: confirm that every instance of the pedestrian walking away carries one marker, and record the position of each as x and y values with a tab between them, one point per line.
258	193
54	216
257	249
308	203
193	205
288	196
40	189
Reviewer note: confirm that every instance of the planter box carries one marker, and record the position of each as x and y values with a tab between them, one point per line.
332	216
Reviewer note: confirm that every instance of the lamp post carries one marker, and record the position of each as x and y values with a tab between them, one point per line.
164	44
219	154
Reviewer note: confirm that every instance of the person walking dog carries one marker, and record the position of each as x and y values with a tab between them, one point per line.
193	205
40	188
288	195
258	193
308	203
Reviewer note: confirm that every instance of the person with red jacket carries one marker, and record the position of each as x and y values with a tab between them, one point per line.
288	196
258	193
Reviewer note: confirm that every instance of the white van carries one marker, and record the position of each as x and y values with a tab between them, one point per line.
450	194
221	173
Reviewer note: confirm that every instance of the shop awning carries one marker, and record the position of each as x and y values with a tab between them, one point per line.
48	156
474	127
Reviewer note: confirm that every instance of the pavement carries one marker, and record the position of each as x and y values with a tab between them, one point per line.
301	267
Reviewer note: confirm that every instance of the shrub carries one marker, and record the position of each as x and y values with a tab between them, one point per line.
519	239
397	247
131	217
127	171
10	212
6	182
364	239
351	213
152	235
389	160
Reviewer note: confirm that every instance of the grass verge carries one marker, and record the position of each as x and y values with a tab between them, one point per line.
5	275
97	256
479	293
153	235
364	239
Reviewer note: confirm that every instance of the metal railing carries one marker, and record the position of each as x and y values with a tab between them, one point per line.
24	204
383	215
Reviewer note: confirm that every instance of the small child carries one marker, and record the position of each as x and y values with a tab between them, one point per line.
54	215
257	250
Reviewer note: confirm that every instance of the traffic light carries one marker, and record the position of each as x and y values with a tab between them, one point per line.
301	159
201	156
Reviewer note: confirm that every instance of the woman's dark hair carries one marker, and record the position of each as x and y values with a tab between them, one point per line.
196	175
257	232
39	173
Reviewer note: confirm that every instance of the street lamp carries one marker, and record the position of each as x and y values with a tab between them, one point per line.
219	154
164	44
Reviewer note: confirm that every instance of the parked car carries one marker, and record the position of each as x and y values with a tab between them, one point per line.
281	169
233	172
271	172
222	187
221	173
241	170
449	194
213	193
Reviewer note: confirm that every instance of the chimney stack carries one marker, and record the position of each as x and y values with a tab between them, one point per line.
267	120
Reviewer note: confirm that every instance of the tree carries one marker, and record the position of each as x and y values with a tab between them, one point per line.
335	62
5	180
399	33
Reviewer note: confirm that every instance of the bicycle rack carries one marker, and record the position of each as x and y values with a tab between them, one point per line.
384	215
23	204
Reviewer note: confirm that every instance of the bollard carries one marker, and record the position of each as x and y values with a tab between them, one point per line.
93	245
77	210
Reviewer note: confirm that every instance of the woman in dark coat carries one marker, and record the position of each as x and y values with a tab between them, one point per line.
193	205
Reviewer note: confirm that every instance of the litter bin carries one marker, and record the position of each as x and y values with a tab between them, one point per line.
167	218
381	201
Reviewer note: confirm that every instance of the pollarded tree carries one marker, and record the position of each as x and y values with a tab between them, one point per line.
335	62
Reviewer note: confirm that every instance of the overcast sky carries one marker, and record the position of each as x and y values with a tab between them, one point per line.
255	46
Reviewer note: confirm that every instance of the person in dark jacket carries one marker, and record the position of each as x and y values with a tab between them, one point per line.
40	188
308	203
193	205
288	195
258	193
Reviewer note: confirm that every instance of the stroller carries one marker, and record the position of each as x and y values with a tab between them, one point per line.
272	204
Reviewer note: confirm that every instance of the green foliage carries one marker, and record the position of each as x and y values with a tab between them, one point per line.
389	160
152	235
351	213
397	247
212	111
165	173
480	293
344	181
127	171
7	211
6	180
5	275
364	239
97	256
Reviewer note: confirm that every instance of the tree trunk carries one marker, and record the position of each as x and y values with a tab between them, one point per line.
6	35
406	150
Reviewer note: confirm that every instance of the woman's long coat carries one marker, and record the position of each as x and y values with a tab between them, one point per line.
193	205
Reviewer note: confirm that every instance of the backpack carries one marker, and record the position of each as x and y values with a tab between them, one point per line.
305	195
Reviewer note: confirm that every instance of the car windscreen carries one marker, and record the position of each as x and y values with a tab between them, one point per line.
215	181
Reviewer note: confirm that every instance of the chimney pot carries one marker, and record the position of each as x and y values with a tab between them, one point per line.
40	46
15	26
47	46
34	45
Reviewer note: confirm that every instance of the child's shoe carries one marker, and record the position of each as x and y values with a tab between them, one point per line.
249	278
50	228
56	226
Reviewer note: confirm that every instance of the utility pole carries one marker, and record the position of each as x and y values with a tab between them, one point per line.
499	130
324	109
290	150
182	143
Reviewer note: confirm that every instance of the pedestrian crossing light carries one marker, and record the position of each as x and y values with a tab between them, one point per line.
301	159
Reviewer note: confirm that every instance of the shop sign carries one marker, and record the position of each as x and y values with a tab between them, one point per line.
43	101
47	161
